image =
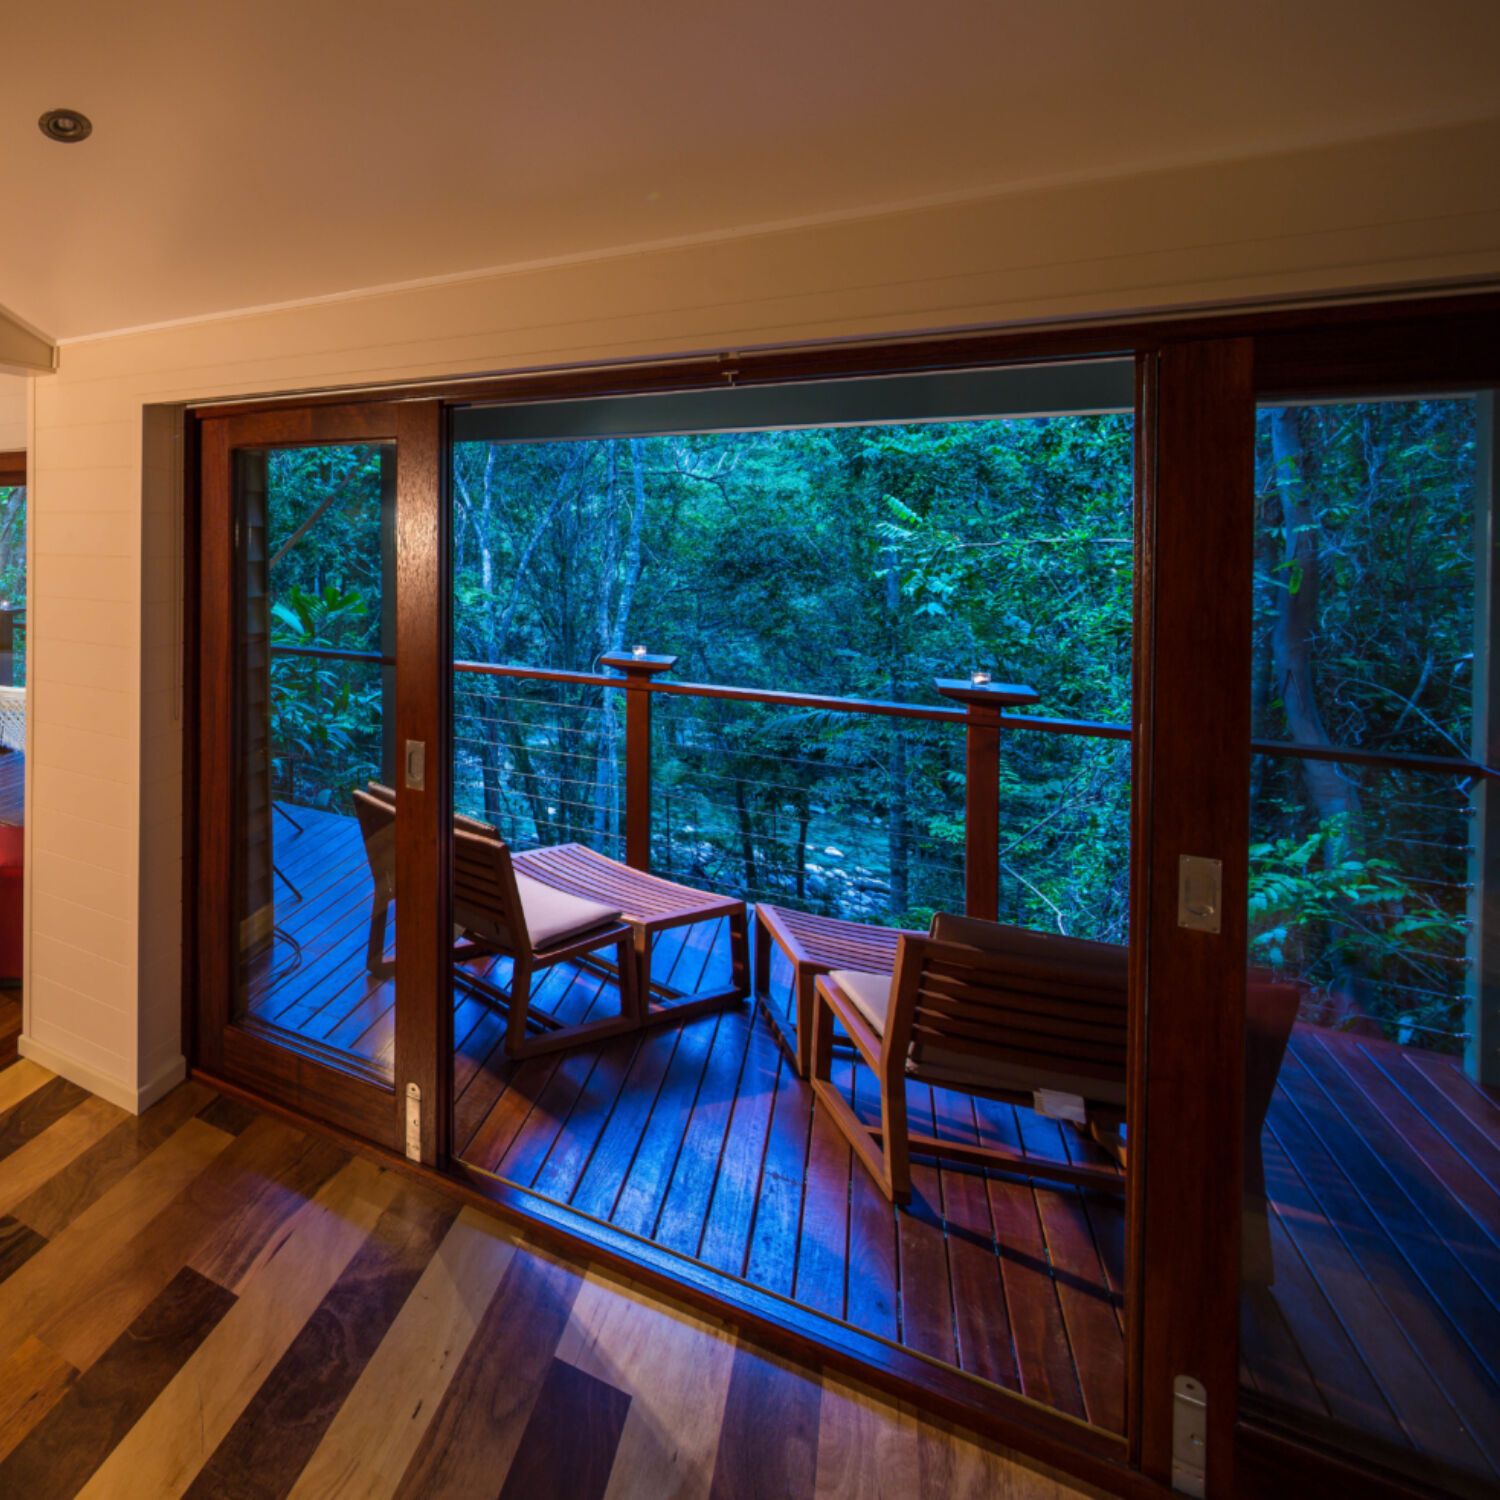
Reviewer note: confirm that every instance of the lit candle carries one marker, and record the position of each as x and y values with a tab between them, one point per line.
979	679
637	650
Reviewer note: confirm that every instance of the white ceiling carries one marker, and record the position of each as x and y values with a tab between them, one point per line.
254	151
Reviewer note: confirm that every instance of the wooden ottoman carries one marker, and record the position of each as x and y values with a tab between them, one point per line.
650	905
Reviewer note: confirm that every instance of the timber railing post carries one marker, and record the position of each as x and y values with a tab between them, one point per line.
639	669
983	702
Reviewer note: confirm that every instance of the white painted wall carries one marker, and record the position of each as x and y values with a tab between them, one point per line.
14	390
104	835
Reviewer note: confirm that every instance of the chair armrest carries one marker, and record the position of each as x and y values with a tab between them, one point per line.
860	1033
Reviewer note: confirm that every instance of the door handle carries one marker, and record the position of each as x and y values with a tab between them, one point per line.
416	765
1200	884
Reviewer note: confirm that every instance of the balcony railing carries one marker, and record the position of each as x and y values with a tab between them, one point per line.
862	807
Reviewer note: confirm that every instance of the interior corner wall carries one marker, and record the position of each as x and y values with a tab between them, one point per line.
14	392
105	770
159	1049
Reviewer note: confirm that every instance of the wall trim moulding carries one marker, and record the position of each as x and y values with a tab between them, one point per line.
137	1101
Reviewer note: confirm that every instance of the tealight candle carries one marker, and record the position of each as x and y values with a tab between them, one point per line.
637	650
979	679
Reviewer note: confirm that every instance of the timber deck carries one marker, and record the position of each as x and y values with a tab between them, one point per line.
1382	1329
1382	1163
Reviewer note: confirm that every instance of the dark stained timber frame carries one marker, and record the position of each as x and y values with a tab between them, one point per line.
1198	379
272	1064
1193	737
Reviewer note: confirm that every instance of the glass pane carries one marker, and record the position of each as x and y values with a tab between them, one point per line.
314	725
12	654
1372	1214
851	566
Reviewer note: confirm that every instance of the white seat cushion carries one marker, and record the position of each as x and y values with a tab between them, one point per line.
552	916
871	994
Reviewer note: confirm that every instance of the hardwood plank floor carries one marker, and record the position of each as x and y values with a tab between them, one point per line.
1384	1163
702	1140
320	1326
10	1024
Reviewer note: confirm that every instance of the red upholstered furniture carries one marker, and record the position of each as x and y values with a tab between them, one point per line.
12	858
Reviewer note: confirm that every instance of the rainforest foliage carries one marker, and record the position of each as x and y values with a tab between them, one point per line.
13	567
863	562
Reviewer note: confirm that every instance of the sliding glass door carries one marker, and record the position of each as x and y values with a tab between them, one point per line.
1371	1250
803	668
302	787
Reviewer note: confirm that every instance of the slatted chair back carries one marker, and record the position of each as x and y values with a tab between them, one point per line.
375	807
383	793
377	827
1005	1010
486	900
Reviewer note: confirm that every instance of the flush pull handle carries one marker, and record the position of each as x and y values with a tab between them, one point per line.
416	765
1200	892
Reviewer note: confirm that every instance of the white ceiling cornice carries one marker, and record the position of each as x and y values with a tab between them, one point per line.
24	349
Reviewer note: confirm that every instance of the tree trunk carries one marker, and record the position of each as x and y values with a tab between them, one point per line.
493	622
612	632
747	835
492	763
606	765
898	855
1332	795
804	817
897	847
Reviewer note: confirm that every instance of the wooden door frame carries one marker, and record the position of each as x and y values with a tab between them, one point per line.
301	1078
1193	737
1197	376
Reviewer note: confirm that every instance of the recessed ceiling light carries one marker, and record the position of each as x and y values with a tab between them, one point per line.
65	125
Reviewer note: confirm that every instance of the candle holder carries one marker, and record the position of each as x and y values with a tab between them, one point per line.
639	652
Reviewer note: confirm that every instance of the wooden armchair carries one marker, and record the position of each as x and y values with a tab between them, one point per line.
1025	1017
1030	1019
503	911
375	807
497	909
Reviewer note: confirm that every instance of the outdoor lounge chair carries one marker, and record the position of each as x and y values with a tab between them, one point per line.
547	879
1031	1019
375	807
651	906
1023	1017
496	910
503	911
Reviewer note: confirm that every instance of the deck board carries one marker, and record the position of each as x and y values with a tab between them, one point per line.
1401	1335
702	1138
1383	1168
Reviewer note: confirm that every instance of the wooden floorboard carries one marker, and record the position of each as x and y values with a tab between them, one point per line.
1385	1167
1364	1284
702	1139
290	1321
10	1024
